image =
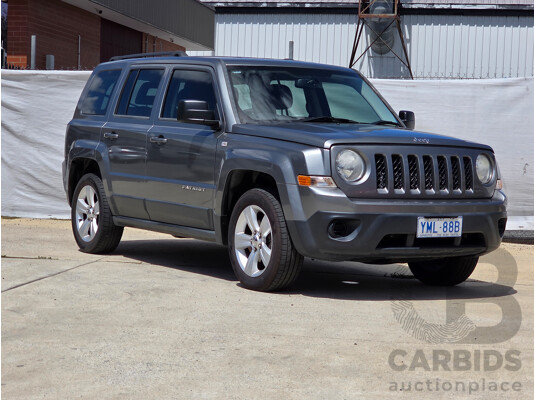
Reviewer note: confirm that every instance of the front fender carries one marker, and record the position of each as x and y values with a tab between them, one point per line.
281	160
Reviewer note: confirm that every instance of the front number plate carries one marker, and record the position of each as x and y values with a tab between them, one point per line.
439	227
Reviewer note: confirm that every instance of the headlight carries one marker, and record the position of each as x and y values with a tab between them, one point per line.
350	165
484	168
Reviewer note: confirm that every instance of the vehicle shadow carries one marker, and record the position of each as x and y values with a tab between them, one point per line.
189	255
334	280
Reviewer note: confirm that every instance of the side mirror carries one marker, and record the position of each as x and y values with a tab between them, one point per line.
197	112
407	117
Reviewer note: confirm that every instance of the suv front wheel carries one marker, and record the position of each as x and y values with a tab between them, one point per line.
91	218
261	252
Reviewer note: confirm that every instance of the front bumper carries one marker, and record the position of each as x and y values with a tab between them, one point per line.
330	226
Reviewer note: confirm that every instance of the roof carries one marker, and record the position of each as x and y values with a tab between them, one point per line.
468	3
219	60
354	3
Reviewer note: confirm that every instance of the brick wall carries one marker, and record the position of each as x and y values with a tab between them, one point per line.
57	26
17	62
18	37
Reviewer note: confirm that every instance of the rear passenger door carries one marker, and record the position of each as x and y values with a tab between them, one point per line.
181	156
94	106
125	136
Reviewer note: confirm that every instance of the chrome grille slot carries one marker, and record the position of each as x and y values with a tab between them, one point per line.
442	173
468	181
428	173
455	173
397	167
414	172
381	171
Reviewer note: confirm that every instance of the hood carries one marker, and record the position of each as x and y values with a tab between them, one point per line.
326	135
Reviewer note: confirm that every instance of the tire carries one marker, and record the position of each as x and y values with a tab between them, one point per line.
444	272
91	218
261	252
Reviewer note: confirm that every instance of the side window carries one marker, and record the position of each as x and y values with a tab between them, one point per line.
99	93
139	92
188	85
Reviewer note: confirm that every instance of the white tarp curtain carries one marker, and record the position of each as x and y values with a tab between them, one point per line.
37	105
497	112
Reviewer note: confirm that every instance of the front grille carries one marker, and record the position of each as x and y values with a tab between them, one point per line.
427	174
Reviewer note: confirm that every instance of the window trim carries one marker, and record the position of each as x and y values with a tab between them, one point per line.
195	68
112	94
138	68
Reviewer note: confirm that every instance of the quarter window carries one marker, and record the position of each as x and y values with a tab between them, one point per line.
98	96
139	92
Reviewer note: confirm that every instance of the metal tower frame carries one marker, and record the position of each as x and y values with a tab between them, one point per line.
363	17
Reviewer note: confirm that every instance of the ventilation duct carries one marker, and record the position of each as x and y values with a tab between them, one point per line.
385	25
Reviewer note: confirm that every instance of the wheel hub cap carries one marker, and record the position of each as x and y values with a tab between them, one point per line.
256	241
87	213
252	241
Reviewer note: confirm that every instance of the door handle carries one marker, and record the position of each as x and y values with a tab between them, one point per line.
111	135
158	139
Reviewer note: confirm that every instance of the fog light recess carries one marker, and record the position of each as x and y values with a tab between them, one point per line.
342	228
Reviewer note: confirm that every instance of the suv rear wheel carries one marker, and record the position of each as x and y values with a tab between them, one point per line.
261	252
91	218
444	272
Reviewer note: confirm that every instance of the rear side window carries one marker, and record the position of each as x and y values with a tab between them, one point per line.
188	85
139	92
98	96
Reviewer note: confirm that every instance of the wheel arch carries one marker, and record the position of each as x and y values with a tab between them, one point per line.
78	168
237	183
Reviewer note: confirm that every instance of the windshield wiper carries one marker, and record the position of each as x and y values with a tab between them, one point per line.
328	119
384	122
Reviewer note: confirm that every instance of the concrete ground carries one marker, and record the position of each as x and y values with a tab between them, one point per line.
163	318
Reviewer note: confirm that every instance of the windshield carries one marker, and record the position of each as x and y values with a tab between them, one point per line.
267	94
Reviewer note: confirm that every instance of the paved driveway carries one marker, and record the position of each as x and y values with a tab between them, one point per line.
163	318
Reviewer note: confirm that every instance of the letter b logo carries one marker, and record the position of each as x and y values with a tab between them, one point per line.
459	328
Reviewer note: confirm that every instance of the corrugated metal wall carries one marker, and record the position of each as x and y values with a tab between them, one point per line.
439	46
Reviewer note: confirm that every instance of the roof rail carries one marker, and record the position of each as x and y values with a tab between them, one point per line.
178	53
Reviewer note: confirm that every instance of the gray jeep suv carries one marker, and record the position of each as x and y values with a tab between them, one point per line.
278	160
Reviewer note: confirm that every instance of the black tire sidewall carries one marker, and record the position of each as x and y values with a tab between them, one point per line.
260	198
445	271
